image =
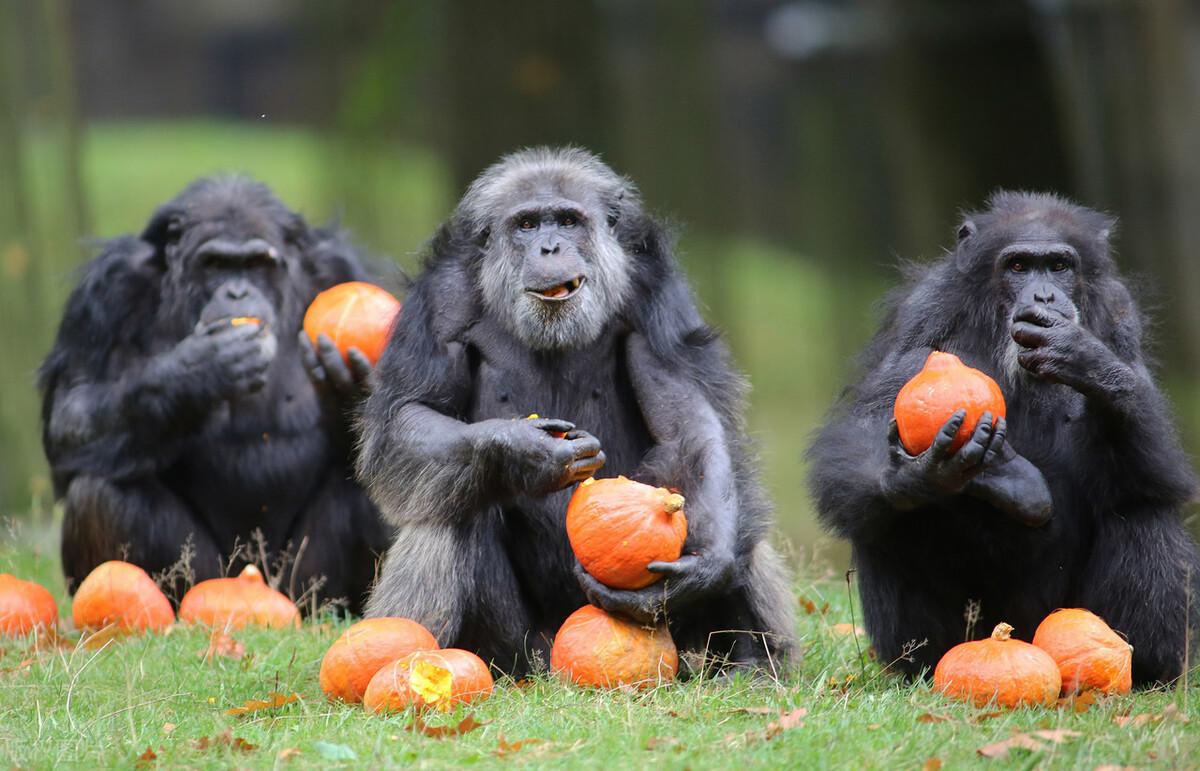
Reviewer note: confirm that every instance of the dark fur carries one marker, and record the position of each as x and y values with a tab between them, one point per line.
1118	477
494	572
145	464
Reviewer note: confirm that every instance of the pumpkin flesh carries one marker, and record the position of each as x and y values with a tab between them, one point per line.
439	679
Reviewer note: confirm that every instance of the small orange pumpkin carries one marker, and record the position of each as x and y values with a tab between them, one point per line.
354	315
119	593
942	387
237	602
364	649
440	679
25	606
617	527
595	648
1000	670
1088	652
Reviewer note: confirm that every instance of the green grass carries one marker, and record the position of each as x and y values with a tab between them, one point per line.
84	708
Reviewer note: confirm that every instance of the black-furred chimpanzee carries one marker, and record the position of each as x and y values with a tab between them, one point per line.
550	290
164	422
1074	501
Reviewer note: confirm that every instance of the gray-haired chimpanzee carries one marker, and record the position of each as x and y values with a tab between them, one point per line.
164	421
550	290
1074	501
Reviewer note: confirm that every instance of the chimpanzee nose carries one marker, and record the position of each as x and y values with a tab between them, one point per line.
236	291
1043	295
551	249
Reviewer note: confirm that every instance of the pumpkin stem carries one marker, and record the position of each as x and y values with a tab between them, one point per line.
1002	631
673	503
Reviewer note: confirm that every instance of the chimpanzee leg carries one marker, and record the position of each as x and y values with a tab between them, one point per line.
338	543
1143	578
140	521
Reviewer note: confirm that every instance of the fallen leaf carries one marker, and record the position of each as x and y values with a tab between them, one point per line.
505	747
847	630
223	645
147	757
331	751
1169	713
466	725
273	701
929	717
786	721
1115	768
1080	702
751	711
24	664
809	606
874	726
932	764
223	739
288	753
103	636
983	717
655	743
51	638
1034	742
168	727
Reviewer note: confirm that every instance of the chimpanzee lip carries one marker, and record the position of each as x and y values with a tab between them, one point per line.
551	294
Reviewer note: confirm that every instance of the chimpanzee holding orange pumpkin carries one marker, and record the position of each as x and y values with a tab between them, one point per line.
182	402
1074	500
551	291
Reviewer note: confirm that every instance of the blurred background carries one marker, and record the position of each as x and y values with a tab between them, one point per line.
801	147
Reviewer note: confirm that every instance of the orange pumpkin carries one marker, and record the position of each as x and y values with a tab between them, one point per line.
617	527
364	649
1000	670
354	315
439	679
119	593
595	648
25	606
942	387
1088	652
236	602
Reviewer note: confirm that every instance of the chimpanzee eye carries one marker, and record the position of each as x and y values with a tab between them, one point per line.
174	230
1016	266
1058	266
526	223
567	221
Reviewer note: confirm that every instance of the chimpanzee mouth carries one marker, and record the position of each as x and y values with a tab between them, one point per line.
559	292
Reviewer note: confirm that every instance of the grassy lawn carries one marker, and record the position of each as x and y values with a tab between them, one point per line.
89	708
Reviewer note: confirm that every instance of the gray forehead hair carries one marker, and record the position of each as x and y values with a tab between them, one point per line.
569	171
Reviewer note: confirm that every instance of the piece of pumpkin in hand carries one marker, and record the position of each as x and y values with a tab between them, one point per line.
555	434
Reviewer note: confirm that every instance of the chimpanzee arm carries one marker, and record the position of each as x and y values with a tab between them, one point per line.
422	462
116	401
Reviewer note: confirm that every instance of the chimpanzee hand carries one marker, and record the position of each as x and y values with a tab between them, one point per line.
689	578
1014	486
349	382
910	481
1059	350
529	460
219	360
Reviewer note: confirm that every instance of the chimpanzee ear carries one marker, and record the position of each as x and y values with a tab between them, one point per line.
164	227
966	230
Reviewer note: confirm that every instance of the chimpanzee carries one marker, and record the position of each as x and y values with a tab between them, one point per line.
551	291
165	421
1074	500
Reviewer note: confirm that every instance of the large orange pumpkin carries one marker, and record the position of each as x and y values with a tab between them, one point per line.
439	679
364	649
119	593
25	606
1000	670
237	602
1088	652
595	648
942	387
617	527
354	315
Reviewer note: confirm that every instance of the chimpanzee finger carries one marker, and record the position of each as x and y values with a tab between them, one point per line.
945	436
585	467
1029	335
333	364
680	568
552	425
583	444
360	365
996	447
1031	360
971	453
1036	316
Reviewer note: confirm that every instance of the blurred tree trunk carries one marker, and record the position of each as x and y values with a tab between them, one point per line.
1129	82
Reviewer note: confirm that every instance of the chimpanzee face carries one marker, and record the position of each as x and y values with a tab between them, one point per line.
1041	273
228	247
552	268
